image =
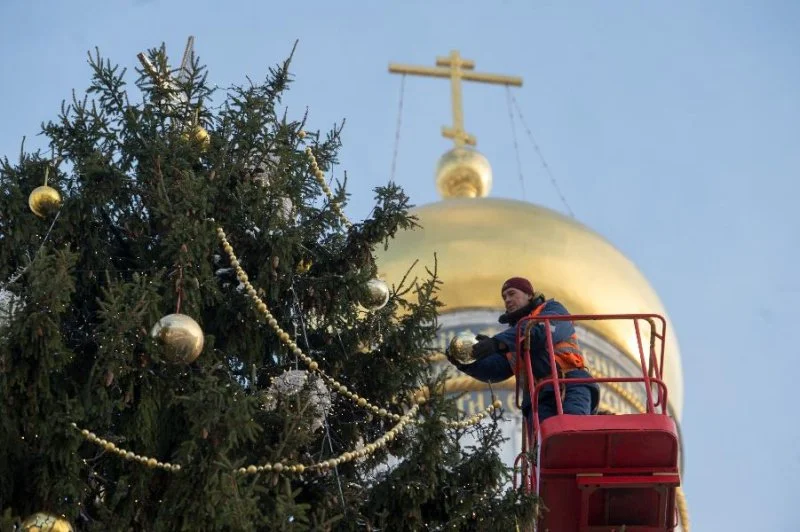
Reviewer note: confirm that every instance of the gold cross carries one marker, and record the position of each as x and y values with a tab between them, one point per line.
457	69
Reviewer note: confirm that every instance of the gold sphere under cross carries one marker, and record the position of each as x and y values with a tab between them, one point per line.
463	173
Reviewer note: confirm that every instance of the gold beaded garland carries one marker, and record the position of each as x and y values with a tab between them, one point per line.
278	467
320	177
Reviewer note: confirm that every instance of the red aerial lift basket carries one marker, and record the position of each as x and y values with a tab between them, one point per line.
601	472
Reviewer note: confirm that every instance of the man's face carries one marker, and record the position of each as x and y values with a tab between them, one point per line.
515	299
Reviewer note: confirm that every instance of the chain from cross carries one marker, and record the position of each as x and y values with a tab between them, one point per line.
457	69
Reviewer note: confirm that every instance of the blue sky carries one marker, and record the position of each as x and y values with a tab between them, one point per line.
671	127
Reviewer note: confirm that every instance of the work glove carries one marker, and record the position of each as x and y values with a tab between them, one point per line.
484	347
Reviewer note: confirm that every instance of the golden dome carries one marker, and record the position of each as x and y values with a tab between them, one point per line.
463	173
479	243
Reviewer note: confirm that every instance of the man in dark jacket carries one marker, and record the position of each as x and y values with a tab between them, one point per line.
495	357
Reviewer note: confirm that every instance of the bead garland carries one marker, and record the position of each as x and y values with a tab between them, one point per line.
127	455
277	467
319	175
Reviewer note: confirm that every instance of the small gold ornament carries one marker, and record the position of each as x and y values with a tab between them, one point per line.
377	295
44	201
200	136
304	265
44	522
364	347
181	337
461	347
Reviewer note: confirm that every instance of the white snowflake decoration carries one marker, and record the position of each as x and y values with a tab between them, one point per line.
292	382
9	304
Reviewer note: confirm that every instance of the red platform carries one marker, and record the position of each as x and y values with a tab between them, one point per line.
601	472
604	472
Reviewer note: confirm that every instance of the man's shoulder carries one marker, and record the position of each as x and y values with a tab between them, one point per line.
554	306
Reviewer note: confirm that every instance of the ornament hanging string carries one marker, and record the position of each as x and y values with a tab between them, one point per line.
179	289
336	467
20	273
298	316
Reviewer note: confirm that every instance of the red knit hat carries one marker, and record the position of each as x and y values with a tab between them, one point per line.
523	285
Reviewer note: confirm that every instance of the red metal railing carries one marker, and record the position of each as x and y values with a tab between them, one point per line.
651	375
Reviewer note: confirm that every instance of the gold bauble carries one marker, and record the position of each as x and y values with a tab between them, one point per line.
304	265
199	135
44	201
463	173
461	347
377	295
181	337
44	522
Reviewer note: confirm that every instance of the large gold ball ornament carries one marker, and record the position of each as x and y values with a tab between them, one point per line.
181	337
461	347
44	201
44	522
377	295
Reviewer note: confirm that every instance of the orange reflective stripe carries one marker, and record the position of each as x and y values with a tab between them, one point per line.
567	353
568	345
537	310
569	361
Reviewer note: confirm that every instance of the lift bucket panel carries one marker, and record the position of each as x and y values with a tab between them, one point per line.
598	473
605	443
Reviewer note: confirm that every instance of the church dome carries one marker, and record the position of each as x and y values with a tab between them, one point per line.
480	242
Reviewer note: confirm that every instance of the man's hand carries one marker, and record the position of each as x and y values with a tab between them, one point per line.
485	347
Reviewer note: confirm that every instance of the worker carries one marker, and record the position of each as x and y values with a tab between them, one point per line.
495	357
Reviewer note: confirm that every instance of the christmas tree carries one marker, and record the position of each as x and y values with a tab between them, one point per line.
194	337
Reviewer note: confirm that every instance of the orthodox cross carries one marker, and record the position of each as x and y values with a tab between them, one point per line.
457	69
